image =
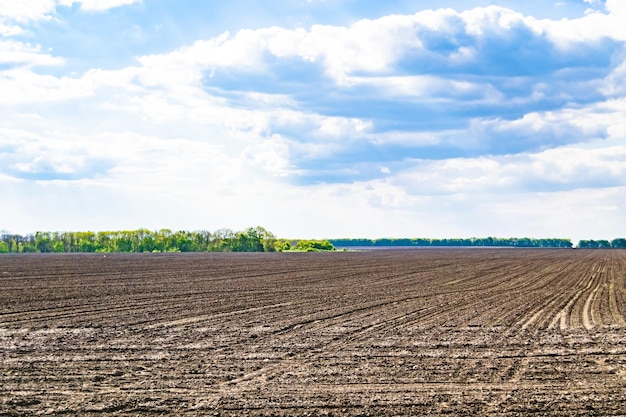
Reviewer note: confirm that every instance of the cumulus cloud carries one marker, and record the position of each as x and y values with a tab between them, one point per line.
554	170
432	55
401	116
177	86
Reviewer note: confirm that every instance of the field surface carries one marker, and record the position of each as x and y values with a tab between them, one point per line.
383	333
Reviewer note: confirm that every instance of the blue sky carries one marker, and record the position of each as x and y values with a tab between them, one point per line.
315	118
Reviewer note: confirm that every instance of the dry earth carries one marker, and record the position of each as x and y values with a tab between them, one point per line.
383	333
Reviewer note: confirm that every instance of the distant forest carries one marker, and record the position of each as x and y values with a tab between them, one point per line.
603	244
253	239
479	242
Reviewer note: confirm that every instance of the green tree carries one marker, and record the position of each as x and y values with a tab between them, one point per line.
57	246
282	245
222	240
182	241
201	240
618	243
314	245
43	242
27	244
85	241
260	240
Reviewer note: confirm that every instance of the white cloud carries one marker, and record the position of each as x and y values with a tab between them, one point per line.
23	87
557	124
406	138
98	5
41	164
365	46
196	184
163	90
24	11
493	20
616	7
369	48
594	26
270	155
169	86
565	168
428	87
159	134
20	54
10	30
339	127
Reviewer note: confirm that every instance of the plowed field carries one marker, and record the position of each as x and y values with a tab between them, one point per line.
383	333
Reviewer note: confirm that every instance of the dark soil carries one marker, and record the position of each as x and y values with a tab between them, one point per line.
382	333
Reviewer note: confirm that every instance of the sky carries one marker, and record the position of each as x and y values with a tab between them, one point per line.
315	118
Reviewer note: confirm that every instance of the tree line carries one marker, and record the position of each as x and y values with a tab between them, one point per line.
462	242
253	239
619	243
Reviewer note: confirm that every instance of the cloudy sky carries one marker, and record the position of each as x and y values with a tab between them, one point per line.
315	118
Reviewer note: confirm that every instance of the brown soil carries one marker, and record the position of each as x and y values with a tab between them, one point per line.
384	333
